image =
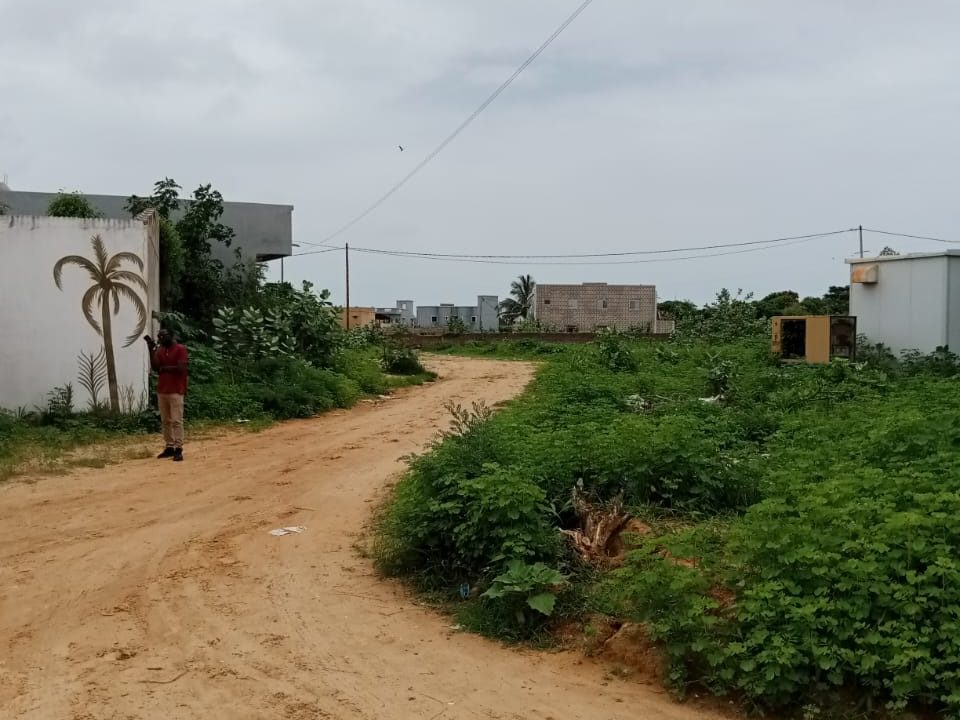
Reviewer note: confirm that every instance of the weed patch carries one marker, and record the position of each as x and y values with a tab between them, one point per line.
801	522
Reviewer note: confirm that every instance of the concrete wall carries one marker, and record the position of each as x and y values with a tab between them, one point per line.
591	306
482	317
953	303
263	232
906	308
402	314
359	316
419	340
44	327
488	315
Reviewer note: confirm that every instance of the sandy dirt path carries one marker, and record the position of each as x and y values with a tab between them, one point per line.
153	590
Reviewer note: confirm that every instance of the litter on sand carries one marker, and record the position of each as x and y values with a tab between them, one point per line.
288	530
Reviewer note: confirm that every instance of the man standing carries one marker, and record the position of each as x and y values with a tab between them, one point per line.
169	361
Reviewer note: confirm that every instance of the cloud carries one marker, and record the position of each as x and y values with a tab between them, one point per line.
644	125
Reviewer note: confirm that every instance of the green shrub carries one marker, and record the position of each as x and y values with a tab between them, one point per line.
851	582
459	527
220	401
399	360
523	588
292	388
363	369
615	352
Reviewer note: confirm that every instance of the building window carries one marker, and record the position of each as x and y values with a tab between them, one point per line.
572	304
603	304
433	319
633	304
473	318
571	328
546	302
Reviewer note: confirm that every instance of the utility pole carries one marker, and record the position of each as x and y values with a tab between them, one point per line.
861	241
281	268
346	257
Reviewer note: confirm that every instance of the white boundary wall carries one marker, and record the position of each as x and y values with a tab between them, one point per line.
43	329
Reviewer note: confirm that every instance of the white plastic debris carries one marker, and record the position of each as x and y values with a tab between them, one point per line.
288	530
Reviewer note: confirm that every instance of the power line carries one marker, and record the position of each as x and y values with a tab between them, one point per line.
314	252
482	261
790	239
548	259
915	237
625	253
463	126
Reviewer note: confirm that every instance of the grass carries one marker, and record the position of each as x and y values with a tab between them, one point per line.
525	349
46	442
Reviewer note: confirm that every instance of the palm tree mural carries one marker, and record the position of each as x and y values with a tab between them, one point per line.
518	306
110	283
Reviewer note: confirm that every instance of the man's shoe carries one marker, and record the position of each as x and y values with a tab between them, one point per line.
167	453
178	455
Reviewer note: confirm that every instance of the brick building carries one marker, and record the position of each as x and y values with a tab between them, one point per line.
596	306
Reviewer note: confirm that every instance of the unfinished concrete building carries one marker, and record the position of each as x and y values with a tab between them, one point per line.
596	306
482	317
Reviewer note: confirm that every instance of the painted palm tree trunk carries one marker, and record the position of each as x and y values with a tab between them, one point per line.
110	283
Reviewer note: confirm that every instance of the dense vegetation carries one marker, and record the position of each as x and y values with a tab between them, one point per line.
258	351
803	521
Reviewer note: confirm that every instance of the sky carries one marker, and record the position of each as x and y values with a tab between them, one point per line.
645	125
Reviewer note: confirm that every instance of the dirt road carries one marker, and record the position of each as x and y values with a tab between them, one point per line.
153	590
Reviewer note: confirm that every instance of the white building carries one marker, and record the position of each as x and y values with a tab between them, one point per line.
908	302
77	295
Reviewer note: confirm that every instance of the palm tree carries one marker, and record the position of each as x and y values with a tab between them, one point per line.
519	305
109	285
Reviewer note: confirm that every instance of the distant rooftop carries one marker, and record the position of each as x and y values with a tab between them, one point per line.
907	256
263	231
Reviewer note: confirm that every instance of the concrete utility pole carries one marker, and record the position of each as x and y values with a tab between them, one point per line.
346	257
861	241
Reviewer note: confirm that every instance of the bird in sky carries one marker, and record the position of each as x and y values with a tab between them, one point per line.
401	147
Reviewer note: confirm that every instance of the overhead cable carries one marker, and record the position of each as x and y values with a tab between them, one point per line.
461	127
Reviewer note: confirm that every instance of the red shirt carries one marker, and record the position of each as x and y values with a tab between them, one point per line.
172	380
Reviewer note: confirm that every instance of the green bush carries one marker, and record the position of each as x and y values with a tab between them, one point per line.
523	588
292	388
853	582
362	368
458	527
399	360
220	401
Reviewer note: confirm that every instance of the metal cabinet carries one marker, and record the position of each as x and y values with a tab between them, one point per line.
814	338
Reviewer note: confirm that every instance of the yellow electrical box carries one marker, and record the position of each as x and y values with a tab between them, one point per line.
814	338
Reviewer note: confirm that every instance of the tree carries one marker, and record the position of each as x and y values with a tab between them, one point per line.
193	281
730	316
814	306
519	306
165	199
777	303
837	300
72	204
456	325
677	309
110	283
888	252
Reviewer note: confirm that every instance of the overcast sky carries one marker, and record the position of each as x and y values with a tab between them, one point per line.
646	125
